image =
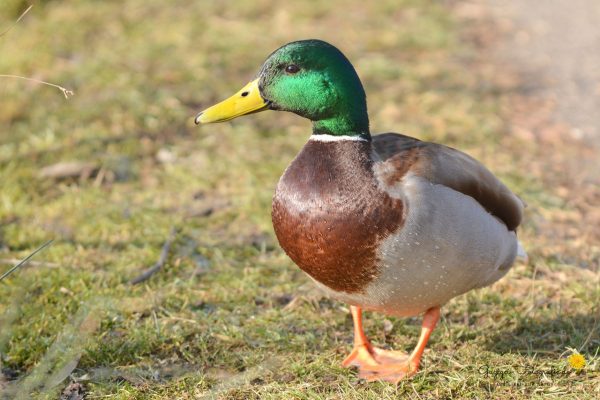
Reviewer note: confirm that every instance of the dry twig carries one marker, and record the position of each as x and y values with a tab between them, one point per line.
66	92
24	261
31	263
161	260
17	21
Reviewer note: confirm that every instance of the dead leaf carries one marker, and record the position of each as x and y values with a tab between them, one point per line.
74	391
57	377
71	169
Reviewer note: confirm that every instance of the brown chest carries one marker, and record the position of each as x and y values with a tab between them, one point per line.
329	214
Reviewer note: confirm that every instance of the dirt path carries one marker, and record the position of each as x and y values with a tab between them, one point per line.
556	44
544	60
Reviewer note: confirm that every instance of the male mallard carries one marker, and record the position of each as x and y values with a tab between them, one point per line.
385	223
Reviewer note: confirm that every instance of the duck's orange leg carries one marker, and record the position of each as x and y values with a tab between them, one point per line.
391	366
362	354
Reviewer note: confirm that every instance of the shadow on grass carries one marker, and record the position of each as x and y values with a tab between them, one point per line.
548	337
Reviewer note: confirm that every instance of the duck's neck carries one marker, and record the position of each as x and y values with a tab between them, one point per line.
353	124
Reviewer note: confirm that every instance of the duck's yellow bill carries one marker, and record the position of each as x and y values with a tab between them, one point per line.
247	100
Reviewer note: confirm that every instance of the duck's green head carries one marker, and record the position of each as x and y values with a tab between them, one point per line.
310	78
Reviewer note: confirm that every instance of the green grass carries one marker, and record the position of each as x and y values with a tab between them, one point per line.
214	323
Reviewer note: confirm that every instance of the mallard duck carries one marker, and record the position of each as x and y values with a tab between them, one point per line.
385	223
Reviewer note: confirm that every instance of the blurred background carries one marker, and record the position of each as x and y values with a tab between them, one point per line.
118	173
556	47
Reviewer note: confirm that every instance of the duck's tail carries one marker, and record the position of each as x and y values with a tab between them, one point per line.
521	253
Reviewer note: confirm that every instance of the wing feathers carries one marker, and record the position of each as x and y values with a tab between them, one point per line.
449	167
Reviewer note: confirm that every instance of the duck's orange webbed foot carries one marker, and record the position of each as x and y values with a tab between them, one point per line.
365	355
386	365
360	356
392	372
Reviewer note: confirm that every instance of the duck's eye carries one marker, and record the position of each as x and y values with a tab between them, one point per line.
292	69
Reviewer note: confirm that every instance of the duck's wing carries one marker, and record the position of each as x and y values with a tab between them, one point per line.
452	168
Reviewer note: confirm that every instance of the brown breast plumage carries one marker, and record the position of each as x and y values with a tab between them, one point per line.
330	215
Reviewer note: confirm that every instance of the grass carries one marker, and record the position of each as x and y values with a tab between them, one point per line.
216	321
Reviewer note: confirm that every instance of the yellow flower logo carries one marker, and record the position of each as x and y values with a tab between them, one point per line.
576	361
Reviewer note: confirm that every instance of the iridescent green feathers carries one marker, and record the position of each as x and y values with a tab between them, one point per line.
315	80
